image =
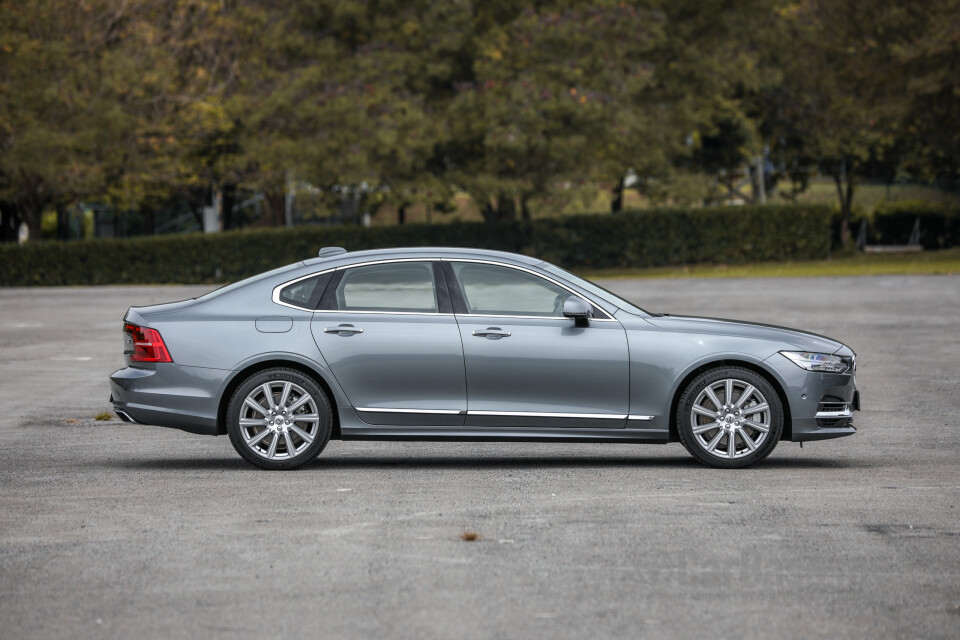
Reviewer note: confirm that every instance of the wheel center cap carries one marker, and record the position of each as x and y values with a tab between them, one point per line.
729	417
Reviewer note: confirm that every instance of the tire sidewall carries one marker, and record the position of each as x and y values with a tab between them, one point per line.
684	408
285	375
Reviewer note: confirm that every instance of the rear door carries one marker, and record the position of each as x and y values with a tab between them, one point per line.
526	364
387	332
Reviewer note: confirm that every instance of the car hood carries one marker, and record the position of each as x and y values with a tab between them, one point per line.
718	326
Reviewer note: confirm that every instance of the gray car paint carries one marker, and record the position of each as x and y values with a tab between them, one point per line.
633	367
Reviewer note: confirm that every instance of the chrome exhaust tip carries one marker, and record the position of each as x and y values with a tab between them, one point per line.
125	416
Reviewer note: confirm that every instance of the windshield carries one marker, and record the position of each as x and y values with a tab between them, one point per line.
236	285
596	290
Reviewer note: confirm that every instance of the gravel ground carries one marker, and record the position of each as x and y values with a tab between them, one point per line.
118	531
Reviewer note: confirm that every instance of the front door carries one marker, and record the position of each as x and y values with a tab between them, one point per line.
527	365
387	334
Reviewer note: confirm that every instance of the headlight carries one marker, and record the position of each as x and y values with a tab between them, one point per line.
819	362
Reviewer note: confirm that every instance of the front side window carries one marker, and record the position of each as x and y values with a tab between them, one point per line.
393	286
501	291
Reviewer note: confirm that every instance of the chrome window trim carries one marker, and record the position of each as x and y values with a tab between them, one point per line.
432	314
275	297
384	261
537	414
537	274
276	290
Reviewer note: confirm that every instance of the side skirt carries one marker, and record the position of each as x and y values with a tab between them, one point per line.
500	434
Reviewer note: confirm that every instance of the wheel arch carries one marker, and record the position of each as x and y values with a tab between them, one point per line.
246	371
755	367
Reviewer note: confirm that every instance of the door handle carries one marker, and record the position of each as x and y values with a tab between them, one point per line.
344	330
491	333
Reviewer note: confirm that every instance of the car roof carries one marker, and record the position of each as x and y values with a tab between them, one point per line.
352	257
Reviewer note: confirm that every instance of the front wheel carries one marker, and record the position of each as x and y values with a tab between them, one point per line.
279	419
729	417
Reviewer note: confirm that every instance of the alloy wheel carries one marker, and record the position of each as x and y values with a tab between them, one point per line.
730	418
279	420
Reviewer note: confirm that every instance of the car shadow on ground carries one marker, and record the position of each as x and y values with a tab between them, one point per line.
350	462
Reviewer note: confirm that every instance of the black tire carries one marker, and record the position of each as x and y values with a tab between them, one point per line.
273	426
734	422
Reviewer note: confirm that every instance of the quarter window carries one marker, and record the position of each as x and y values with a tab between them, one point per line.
392	286
305	293
494	290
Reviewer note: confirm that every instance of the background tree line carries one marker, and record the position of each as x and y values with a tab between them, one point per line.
136	103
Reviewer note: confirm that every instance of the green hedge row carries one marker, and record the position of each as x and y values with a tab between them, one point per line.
648	238
893	222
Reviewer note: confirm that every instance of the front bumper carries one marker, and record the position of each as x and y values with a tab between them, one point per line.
169	395
822	405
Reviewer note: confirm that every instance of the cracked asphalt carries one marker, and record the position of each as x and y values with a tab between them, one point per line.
110	530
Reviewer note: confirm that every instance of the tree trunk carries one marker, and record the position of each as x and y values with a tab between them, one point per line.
276	205
844	179
9	223
31	213
228	198
507	207
616	205
499	208
63	223
525	208
402	213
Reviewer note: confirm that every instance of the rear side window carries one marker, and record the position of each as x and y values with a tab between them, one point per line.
393	286
305	293
494	290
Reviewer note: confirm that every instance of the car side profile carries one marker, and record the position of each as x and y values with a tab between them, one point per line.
467	344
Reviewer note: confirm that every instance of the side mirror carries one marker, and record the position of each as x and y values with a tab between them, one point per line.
579	309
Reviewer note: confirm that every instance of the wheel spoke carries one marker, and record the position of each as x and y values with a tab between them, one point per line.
732	444
269	395
755	425
306	437
747	440
285	395
256	406
750	411
744	396
257	438
305	417
705	427
728	392
705	412
716	440
291	450
299	402
713	398
273	445
251	422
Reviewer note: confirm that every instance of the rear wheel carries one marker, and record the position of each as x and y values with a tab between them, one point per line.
729	417
279	419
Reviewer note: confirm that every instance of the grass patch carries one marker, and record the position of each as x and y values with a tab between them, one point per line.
946	262
103	416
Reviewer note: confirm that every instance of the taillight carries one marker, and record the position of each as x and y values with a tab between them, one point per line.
147	344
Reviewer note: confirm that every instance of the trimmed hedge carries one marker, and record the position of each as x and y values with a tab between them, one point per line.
892	223
647	238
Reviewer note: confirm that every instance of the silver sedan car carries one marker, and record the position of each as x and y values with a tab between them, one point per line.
466	344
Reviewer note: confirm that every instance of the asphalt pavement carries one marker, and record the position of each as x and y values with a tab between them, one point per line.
109	530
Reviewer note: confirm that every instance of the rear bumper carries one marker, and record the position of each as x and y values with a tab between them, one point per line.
169	395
